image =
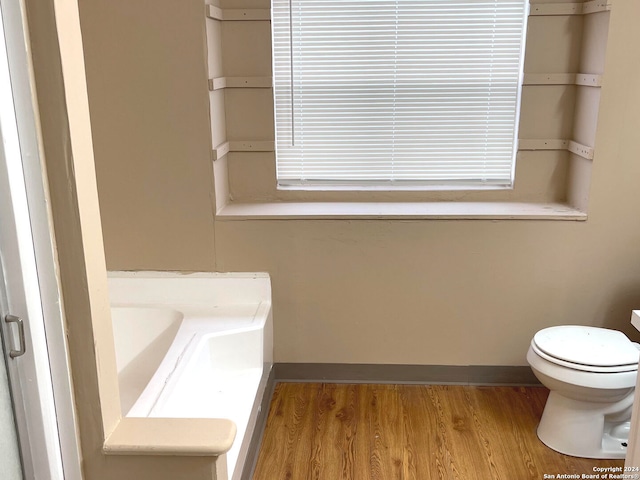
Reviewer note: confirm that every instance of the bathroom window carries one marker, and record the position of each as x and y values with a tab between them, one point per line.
404	94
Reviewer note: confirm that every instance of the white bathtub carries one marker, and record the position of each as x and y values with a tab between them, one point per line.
194	346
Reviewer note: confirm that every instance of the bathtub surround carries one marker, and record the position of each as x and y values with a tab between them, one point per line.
193	346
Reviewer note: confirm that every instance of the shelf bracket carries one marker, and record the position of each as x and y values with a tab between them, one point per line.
583	151
240	82
581	79
237	14
242	146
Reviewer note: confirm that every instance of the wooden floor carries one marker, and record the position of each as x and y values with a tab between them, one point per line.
422	432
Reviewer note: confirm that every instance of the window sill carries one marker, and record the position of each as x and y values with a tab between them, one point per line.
399	210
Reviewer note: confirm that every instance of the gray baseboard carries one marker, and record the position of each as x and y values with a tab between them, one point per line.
405	374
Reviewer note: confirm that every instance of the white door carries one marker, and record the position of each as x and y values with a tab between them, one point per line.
28	373
24	283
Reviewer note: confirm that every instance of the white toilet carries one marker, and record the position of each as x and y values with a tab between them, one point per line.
591	374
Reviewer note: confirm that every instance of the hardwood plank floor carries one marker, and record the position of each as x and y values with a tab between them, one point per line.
409	432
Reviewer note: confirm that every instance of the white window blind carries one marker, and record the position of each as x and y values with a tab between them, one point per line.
397	92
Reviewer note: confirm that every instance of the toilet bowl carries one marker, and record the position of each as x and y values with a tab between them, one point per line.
591	374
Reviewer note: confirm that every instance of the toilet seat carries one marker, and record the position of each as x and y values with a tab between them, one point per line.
583	368
589	349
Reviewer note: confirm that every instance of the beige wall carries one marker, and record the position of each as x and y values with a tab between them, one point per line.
416	292
146	74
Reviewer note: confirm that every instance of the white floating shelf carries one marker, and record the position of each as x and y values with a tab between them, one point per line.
556	144
582	79
240	82
551	9
236	14
242	146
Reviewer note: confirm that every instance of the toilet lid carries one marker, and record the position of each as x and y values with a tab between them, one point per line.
587	345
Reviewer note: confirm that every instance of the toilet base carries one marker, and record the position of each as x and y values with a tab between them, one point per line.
585	429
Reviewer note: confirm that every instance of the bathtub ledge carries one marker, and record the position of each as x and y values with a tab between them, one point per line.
171	436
